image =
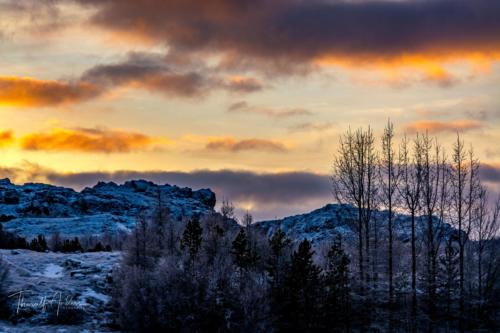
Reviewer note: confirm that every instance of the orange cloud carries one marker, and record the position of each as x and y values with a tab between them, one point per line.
6	138
27	92
87	140
234	146
431	66
441	126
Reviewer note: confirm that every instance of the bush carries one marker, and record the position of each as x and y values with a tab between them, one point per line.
38	244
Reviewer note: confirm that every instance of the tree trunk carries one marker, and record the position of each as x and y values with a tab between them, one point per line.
360	247
413	268
391	284
480	272
367	250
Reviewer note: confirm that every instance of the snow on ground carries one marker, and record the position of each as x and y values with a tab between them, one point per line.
53	271
81	280
92	294
92	225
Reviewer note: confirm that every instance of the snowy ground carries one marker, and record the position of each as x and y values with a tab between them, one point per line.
78	281
93	225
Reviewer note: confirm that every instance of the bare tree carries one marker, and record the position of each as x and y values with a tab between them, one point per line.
227	210
485	229
354	176
411	163
389	178
434	201
465	184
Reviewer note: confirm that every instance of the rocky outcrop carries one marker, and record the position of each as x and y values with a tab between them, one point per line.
325	223
34	208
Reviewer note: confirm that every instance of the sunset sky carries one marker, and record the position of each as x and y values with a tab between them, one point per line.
246	97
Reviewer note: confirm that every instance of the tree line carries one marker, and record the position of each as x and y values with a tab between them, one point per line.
216	276
416	177
210	274
58	243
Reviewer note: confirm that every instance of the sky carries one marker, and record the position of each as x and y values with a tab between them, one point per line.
245	97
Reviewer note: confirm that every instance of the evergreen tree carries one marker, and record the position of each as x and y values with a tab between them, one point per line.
336	282
38	244
277	262
72	245
301	308
277	268
214	237
42	242
98	247
191	238
240	250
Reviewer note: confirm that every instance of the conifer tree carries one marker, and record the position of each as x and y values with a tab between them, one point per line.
38	244
302	291
277	262
191	238
337	286
241	251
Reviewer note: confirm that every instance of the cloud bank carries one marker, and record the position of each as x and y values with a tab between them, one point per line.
266	195
284	33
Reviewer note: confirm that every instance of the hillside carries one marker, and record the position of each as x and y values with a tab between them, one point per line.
32	209
325	223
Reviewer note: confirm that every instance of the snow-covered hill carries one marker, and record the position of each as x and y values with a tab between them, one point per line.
32	209
325	223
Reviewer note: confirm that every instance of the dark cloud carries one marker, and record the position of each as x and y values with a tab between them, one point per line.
149	72
290	187
490	173
291	32
234	146
244	107
154	72
311	127
243	85
237	106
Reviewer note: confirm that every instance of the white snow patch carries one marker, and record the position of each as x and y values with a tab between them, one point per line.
53	271
93	294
